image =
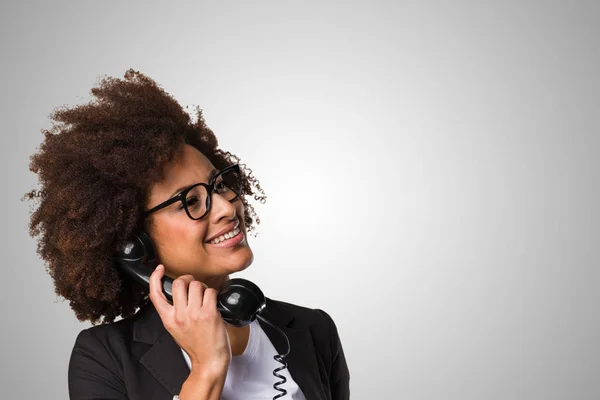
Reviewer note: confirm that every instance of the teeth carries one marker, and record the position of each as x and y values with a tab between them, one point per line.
228	235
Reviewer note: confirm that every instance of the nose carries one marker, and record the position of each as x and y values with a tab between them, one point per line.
221	207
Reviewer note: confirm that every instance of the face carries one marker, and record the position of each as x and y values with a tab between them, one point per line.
181	243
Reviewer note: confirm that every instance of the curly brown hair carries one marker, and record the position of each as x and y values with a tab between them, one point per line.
96	166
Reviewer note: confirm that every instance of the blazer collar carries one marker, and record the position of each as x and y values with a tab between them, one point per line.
165	361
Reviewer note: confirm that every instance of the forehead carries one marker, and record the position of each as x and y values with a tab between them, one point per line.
189	159
190	166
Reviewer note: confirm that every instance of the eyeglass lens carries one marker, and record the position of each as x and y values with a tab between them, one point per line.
227	184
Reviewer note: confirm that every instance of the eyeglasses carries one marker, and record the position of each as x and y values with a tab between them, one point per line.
196	199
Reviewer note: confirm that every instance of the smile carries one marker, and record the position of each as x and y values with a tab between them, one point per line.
226	237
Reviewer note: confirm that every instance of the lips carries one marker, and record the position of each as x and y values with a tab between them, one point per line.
231	242
223	231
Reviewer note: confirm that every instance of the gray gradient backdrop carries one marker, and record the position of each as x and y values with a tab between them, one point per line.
431	172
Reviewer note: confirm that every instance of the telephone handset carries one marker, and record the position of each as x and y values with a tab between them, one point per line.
239	302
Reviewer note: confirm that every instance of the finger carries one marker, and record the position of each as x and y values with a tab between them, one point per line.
210	299
180	291
156	294
195	295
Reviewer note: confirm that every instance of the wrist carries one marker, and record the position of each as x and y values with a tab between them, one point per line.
202	385
208	371
206	375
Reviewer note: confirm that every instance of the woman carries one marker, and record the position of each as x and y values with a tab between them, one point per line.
131	160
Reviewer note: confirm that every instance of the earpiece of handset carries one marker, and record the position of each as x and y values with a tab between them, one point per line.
239	301
138	259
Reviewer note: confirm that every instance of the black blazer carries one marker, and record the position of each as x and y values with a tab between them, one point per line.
137	359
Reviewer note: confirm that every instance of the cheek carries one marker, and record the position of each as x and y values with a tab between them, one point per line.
175	237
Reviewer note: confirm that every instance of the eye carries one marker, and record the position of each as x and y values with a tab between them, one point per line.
191	201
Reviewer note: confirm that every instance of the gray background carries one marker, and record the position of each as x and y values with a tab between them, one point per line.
431	172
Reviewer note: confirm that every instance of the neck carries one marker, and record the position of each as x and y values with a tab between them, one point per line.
216	282
238	338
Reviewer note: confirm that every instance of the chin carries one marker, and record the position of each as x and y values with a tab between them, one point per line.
244	263
230	270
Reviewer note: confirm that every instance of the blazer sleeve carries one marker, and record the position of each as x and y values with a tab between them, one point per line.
339	376
92	371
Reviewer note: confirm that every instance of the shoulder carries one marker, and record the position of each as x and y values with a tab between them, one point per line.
320	324
306	316
100	357
323	332
106	333
112	338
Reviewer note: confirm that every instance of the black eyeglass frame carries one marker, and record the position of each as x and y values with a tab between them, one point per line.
211	188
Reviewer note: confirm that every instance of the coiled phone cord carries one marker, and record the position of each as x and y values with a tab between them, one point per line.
279	358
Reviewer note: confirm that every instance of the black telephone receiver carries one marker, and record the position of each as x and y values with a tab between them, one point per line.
239	302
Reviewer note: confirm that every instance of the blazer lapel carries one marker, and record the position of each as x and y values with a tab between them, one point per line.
164	360
301	361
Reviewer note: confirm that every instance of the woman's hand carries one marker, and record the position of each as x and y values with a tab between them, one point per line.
194	322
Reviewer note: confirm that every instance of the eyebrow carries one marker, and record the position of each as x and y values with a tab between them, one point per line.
212	175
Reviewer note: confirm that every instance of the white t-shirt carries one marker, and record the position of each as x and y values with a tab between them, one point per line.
250	375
